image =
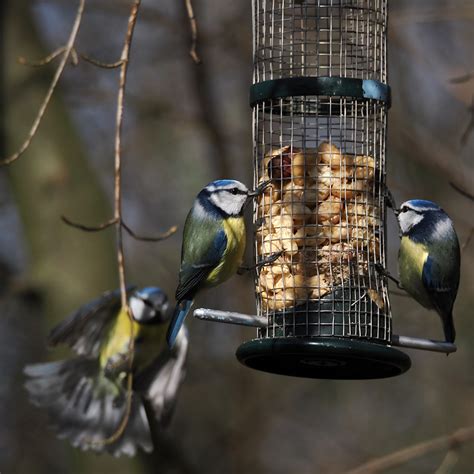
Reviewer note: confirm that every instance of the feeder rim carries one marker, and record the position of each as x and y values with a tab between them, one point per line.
332	86
230	317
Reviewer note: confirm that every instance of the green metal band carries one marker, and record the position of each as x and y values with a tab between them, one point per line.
364	89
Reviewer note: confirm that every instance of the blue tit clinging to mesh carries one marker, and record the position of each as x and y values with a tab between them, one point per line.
86	395
213	244
429	259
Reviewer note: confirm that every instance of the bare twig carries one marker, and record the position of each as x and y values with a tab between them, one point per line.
101	64
87	228
468	240
194	32
461	79
470	126
460	436
66	54
128	407
74	59
462	191
448	463
42	62
157	238
124	59
113	221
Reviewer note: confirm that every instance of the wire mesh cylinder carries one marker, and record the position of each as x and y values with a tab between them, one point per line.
345	38
319	137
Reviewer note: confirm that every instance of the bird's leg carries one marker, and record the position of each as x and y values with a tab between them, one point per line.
384	272
390	200
265	261
259	189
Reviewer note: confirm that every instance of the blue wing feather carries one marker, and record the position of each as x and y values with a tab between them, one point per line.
442	289
194	272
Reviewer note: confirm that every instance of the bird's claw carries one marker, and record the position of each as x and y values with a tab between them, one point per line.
270	259
379	268
260	188
265	261
391	201
382	271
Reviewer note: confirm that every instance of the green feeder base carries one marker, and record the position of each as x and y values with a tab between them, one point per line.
323	357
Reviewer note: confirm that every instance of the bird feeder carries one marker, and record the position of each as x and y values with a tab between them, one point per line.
320	100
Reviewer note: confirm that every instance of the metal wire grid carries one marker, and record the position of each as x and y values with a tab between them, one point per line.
324	210
344	38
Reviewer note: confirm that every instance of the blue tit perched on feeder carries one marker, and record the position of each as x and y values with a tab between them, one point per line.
213	244
86	395
429	259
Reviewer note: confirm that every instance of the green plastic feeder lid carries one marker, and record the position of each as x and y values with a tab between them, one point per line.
323	357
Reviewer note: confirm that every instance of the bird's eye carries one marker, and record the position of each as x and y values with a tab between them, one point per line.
404	209
234	191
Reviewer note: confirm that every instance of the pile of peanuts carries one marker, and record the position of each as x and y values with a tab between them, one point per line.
319	214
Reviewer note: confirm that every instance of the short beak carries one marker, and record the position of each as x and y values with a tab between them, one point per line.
259	189
396	212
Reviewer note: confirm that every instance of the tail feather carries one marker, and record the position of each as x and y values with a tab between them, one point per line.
160	382
85	407
448	327
180	313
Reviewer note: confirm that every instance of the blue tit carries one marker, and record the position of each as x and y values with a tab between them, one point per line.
213	244
429	259
86	395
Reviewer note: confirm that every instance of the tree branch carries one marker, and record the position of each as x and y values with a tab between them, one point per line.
194	32
42	62
74	59
101	64
470	126
87	228
124	59
462	191
468	240
66	54
381	464
163	236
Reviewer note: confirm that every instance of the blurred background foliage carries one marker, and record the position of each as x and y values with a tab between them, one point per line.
186	125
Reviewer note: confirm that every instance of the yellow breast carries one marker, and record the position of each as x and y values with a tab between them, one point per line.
411	259
149	340
118	339
234	228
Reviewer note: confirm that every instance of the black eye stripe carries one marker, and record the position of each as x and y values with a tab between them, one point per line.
406	209
148	303
234	191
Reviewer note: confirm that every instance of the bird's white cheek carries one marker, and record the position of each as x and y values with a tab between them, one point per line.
408	219
402	220
137	307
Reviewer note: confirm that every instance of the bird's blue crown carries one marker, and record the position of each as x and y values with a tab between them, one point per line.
220	183
423	205
149	291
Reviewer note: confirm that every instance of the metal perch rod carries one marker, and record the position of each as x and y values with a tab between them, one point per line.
230	317
423	344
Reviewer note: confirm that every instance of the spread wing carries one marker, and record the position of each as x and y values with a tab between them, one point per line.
85	407
204	244
84	329
159	383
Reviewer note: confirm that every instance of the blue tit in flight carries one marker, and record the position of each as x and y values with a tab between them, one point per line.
429	259
86	395
213	244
